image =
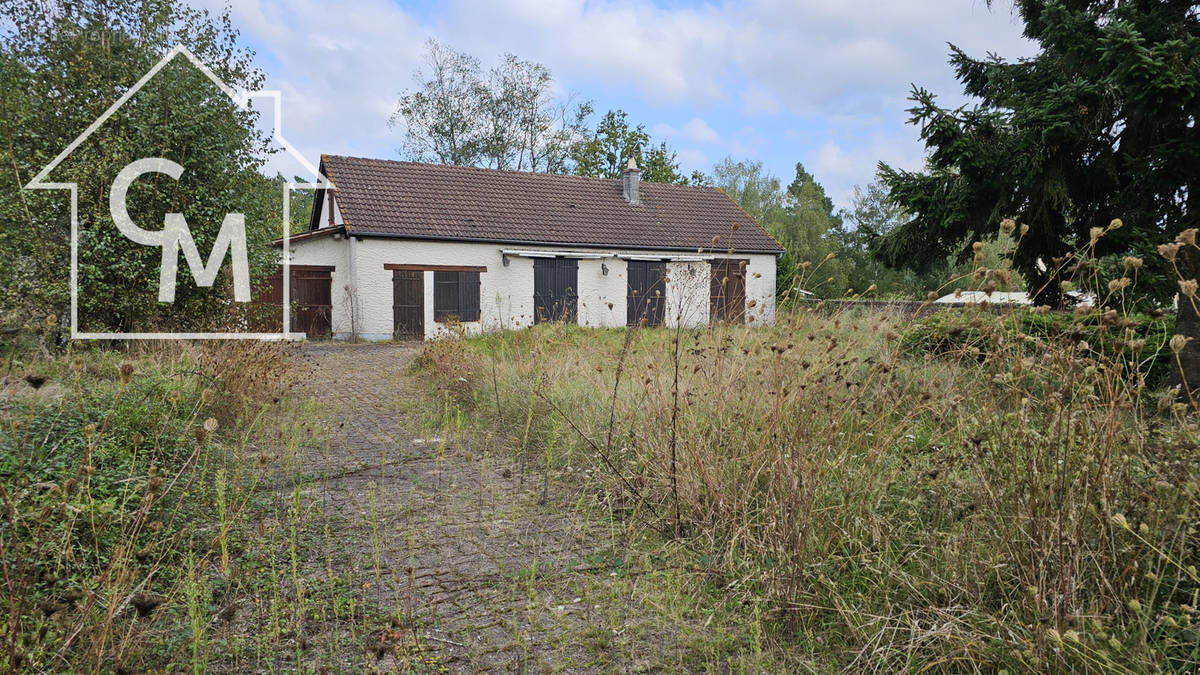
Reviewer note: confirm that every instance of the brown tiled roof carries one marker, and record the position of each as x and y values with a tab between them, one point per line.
439	201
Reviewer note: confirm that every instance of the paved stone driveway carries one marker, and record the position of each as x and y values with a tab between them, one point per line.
461	557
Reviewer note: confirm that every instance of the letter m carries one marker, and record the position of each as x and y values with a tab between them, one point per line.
232	238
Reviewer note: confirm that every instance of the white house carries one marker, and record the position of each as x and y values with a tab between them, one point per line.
1018	298
407	250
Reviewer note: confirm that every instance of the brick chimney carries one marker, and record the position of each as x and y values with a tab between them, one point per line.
633	176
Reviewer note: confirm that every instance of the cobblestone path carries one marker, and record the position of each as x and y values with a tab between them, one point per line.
463	561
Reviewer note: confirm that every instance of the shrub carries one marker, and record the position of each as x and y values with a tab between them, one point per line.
447	359
102	476
244	375
1138	342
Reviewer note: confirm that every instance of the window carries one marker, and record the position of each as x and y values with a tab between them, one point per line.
455	296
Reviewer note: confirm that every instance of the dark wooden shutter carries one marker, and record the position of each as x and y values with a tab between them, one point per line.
455	296
566	290
543	285
636	293
468	289
727	294
445	296
311	289
656	294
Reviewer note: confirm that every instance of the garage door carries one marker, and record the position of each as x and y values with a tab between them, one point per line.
311	288
647	292
555	289
727	291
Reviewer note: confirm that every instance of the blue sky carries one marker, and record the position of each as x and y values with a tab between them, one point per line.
823	82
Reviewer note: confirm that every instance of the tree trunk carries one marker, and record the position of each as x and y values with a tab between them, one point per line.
1186	373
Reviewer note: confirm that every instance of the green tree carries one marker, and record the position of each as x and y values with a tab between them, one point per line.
605	151
659	165
870	214
1101	124
698	177
873	215
755	189
761	196
802	218
300	204
63	65
506	118
443	119
810	229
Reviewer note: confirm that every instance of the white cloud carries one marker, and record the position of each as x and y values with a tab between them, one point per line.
824	56
665	55
340	68
839	169
781	55
698	130
664	130
758	100
840	71
831	160
746	142
691	158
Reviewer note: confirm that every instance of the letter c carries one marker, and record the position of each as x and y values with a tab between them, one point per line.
117	194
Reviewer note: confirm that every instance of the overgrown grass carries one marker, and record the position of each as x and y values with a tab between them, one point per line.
124	492
1021	499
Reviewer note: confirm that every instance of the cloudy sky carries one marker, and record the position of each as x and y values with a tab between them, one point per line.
823	82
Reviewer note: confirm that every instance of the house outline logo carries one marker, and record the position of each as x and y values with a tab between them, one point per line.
175	234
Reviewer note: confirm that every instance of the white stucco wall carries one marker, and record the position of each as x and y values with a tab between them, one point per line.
506	293
687	293
760	288
602	299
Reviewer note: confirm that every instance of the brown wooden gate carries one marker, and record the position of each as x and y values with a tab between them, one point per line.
727	291
646	299
408	304
311	290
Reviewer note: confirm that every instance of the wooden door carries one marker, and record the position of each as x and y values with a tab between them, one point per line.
555	289
646	299
312	298
311	291
408	304
727	291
